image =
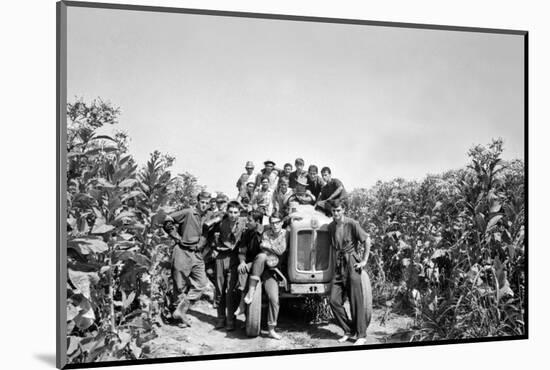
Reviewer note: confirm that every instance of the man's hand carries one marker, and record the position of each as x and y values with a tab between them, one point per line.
242	268
359	266
169	226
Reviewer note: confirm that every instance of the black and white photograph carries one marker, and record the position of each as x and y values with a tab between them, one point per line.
242	184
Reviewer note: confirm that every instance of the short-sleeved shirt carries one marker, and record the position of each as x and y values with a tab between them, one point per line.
330	187
347	236
293	178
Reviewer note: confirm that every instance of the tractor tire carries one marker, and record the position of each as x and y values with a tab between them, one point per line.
254	313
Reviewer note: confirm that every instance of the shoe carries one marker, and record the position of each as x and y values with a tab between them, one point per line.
272	334
220	323
343	338
250	295
360	342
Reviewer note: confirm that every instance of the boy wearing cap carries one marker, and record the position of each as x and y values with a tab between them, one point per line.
188	228
293	177
352	246
249	175
226	253
272	246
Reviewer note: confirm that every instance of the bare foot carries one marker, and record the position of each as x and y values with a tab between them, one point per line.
273	334
343	338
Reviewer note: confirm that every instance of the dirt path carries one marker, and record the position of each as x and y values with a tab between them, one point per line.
202	339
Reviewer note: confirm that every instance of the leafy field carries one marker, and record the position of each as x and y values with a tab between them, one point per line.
448	250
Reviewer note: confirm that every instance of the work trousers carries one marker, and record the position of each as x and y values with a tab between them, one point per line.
189	277
227	299
271	287
348	283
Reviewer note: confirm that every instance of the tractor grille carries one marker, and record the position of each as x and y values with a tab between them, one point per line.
313	258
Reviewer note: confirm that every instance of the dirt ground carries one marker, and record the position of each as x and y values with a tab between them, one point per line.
202	339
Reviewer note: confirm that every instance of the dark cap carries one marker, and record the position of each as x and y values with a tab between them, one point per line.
299	161
268	162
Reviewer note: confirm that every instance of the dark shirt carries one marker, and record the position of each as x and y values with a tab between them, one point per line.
347	237
230	234
293	177
315	184
330	187
250	244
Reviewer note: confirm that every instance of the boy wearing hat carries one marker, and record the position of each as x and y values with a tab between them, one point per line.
188	228
301	194
294	176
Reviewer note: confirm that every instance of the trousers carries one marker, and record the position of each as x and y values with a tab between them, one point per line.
348	283
226	281
189	277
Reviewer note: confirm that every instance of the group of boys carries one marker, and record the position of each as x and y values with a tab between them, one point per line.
228	243
272	190
232	250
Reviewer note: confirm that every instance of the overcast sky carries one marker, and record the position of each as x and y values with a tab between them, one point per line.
372	103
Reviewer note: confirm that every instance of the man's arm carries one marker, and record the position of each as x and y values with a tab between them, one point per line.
170	224
336	193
